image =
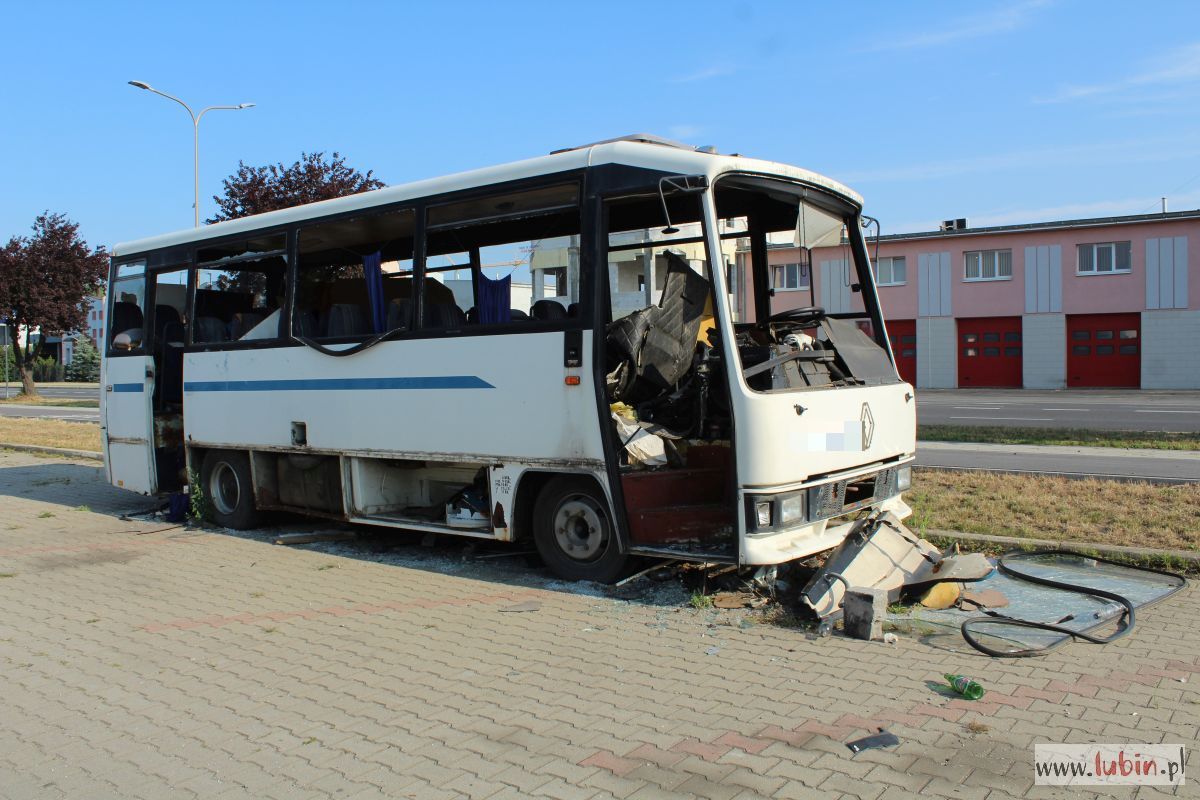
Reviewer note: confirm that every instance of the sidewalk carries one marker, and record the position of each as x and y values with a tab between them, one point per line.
150	661
1167	466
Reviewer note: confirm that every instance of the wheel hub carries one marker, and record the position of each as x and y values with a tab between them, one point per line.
225	490
580	530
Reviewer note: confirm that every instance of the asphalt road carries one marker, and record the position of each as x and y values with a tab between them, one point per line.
52	412
63	392
1095	410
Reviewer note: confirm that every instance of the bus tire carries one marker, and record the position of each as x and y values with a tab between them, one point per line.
574	533
227	484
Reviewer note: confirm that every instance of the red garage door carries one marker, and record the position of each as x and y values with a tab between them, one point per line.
989	352
903	336
1104	350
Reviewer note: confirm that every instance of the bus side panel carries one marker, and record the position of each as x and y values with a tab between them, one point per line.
477	397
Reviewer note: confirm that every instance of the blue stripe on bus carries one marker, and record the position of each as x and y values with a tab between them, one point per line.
128	387
339	384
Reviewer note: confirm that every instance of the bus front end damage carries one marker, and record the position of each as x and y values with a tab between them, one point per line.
881	557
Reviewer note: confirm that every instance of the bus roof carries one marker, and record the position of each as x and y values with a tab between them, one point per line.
644	151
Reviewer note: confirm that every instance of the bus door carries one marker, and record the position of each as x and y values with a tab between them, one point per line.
127	381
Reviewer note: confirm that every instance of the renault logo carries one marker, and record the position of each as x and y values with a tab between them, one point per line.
868	426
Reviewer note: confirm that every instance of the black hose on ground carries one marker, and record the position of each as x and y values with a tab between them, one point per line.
1124	623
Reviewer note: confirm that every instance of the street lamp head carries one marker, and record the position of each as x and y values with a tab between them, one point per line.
140	85
245	105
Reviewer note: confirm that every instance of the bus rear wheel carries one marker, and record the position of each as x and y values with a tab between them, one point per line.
574	532
226	482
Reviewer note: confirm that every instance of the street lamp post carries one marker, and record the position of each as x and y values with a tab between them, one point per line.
196	131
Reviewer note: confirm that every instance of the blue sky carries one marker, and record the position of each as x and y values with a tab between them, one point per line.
998	112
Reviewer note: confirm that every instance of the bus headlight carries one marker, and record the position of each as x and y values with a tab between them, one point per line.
770	512
791	508
762	514
904	479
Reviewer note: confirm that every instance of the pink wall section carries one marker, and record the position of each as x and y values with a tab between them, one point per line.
1081	294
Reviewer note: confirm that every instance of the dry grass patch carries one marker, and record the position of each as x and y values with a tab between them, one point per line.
1047	507
61	402
49	433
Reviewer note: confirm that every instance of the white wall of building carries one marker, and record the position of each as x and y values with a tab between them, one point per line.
937	353
1171	349
1044	351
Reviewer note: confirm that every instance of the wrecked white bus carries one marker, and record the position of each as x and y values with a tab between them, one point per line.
641	385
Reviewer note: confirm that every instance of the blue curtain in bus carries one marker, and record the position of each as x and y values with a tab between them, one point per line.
493	300
373	273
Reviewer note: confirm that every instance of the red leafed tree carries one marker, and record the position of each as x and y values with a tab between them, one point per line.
45	282
254	190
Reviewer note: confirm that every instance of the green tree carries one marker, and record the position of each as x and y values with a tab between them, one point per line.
85	363
45	282
256	190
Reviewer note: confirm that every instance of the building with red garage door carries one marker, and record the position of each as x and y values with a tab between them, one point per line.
1108	302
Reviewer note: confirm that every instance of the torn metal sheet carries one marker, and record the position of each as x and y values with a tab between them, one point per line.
879	554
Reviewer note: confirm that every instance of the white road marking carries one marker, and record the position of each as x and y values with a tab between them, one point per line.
1021	419
1161	411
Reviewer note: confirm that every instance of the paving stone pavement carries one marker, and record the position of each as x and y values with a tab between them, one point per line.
139	660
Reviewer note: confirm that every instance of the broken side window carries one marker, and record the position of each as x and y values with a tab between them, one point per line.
354	276
505	259
240	290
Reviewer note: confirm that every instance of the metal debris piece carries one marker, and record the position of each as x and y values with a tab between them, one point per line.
880	553
528	605
984	598
881	739
646	571
319	536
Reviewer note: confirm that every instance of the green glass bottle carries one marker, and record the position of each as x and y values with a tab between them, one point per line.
965	686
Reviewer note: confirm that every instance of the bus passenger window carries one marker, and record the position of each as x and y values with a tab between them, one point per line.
487	259
355	277
240	290
170	307
128	314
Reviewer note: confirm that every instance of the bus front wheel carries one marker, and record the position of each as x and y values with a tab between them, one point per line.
574	532
227	484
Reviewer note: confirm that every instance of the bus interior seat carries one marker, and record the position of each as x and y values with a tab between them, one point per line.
518	314
210	329
650	350
164	315
243	322
126	316
347	319
573	310
548	309
445	315
306	324
399	314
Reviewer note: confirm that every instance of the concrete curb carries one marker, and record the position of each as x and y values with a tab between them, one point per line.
1106	550
52	451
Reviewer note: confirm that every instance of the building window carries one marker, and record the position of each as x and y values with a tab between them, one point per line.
988	265
1105	258
891	271
789	276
